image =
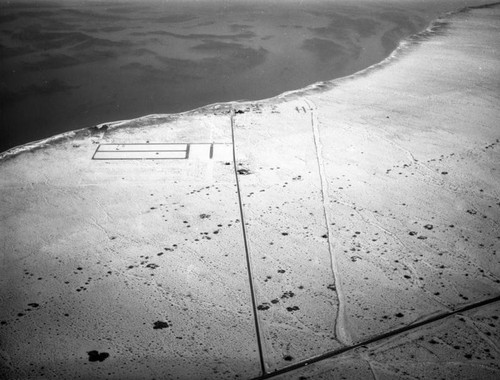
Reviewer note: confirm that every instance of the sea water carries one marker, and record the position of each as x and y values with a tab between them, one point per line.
71	64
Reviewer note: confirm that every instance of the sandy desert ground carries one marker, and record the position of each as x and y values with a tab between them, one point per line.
354	233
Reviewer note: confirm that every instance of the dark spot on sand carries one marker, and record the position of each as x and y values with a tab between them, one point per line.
152	266
428	226
204	216
288	294
400	315
243	171
284	233
264	306
95	356
412	233
158	325
33	304
281	271
288	358
292	308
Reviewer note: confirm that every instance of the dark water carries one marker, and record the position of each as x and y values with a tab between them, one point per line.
73	64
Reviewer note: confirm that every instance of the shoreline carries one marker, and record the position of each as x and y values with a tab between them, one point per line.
433	28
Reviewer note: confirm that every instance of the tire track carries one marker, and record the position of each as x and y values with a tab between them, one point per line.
341	330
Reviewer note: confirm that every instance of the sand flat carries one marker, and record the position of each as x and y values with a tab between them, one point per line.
370	205
112	248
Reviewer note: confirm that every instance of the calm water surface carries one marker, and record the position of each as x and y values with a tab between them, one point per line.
71	64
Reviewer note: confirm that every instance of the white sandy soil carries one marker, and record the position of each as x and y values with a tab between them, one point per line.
369	204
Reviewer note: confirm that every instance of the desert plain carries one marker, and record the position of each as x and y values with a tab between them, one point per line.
350	230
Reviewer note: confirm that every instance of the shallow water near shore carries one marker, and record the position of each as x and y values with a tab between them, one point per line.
69	65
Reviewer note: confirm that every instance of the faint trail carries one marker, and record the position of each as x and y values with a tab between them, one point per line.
247	253
470	322
340	326
370	366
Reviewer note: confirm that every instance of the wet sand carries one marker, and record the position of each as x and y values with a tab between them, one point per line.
367	208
